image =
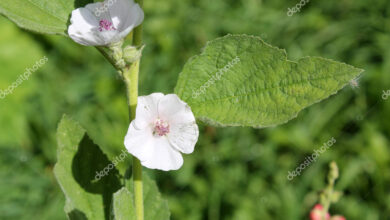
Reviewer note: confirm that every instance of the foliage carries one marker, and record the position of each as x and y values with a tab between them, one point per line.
235	173
46	16
156	207
241	81
89	197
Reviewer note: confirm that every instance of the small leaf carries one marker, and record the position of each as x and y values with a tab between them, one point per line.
124	205
42	16
79	161
240	80
155	207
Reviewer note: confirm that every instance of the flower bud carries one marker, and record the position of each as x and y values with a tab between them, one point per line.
316	213
116	50
334	172
132	54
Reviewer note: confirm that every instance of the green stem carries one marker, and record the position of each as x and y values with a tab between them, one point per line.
326	205
130	76
328	194
137	37
131	80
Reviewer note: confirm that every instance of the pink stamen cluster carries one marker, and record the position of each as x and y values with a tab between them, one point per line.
105	25
161	128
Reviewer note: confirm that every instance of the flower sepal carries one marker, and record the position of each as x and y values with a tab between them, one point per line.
132	53
115	52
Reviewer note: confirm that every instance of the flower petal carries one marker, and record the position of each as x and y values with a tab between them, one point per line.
183	136
128	15
81	30
164	156
138	142
124	15
119	11
184	132
84	18
174	110
101	10
153	152
146	112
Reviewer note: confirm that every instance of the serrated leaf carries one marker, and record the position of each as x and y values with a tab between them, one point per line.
79	160
240	80
155	207
43	16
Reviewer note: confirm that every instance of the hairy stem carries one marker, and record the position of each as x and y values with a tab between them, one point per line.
132	93
129	74
131	80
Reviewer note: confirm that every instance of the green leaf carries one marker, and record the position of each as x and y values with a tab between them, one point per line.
79	160
155	207
43	16
240	80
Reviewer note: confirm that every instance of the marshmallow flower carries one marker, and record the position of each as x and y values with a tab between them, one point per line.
104	23
164	127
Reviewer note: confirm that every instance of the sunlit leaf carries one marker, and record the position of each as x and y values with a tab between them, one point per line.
239	80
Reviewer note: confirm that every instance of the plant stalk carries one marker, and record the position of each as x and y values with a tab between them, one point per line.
129	74
327	197
131	81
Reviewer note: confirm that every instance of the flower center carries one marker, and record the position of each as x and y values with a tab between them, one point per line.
105	25
161	128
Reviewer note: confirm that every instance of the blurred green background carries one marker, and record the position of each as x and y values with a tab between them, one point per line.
234	173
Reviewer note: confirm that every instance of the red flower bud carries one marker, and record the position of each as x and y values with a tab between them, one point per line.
316	212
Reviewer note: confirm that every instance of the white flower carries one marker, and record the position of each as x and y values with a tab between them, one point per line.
103	23
163	127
